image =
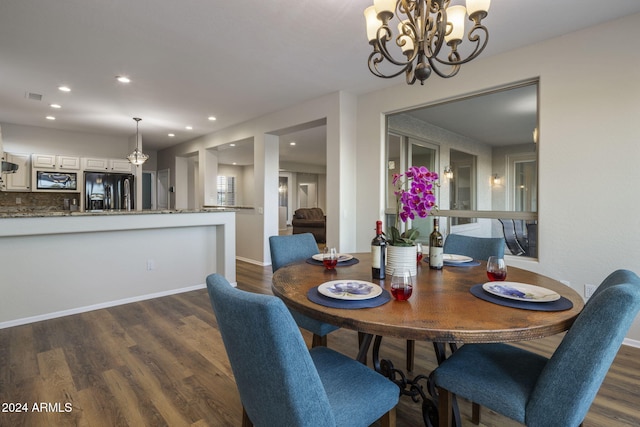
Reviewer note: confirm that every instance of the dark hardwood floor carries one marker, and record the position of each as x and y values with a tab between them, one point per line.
161	362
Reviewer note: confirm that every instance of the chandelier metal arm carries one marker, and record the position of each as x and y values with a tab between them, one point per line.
479	35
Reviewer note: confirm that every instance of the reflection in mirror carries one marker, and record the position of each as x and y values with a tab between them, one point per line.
489	141
462	185
235	177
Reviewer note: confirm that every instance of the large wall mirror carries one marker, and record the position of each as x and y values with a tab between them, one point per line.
488	145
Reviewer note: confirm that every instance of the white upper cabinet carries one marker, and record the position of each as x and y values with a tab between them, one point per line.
46	161
107	165
21	179
95	164
120	165
52	161
68	162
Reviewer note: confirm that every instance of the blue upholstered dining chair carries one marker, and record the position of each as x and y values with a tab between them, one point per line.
537	391
281	382
292	248
479	248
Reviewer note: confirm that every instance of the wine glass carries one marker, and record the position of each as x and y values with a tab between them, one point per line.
330	258
496	269
419	251
401	284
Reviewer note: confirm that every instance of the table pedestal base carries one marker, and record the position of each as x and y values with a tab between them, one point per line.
419	388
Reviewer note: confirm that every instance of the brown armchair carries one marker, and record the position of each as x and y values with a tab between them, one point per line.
310	220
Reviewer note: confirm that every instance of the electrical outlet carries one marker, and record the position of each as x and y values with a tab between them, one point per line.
18	200
151	265
589	290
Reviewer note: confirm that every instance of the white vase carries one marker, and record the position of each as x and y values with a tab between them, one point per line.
405	257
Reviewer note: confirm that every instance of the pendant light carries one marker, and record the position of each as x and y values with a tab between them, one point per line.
137	157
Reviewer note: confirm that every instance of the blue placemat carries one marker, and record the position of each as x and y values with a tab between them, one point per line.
318	298
558	305
352	261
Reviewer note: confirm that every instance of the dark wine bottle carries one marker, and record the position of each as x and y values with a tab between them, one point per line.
436	242
378	253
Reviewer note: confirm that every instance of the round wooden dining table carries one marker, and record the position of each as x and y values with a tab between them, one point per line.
441	308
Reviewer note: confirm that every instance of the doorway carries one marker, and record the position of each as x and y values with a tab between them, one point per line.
163	189
148	190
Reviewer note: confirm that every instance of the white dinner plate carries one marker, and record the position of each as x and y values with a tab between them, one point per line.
456	259
521	291
350	289
341	257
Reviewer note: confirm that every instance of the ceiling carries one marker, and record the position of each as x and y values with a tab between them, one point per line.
234	60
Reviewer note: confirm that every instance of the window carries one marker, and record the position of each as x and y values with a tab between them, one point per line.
226	190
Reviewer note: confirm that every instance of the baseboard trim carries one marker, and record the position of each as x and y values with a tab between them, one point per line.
252	261
631	343
78	310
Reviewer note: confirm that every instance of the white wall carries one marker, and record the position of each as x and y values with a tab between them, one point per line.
589	150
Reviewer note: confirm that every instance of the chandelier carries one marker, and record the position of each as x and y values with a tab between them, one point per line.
424	27
137	157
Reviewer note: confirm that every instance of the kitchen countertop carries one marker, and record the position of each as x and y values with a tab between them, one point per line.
43	214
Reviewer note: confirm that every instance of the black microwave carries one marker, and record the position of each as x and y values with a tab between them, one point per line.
56	181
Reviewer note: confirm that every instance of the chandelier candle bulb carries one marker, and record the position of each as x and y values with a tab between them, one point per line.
478	6
455	17
373	23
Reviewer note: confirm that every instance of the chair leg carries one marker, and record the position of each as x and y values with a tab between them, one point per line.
389	419
246	422
411	350
318	341
475	413
445	408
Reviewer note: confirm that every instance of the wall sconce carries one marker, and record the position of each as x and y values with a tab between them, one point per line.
496	180
448	173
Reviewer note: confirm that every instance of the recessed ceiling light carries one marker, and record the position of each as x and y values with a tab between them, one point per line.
213	119
64	88
234	163
55	106
123	79
188	127
50	118
292	143
232	145
171	135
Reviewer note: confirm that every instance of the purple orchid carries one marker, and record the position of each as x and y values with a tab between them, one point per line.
416	200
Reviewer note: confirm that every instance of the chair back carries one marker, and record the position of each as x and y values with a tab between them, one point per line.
274	372
572	377
479	248
291	248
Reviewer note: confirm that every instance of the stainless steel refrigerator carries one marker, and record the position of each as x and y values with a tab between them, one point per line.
108	191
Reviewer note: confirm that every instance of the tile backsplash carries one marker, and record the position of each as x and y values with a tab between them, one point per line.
35	201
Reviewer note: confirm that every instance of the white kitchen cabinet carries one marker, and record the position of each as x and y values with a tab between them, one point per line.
43	161
68	162
95	164
21	179
52	161
120	165
110	165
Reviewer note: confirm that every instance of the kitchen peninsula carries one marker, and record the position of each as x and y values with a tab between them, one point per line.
60	263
